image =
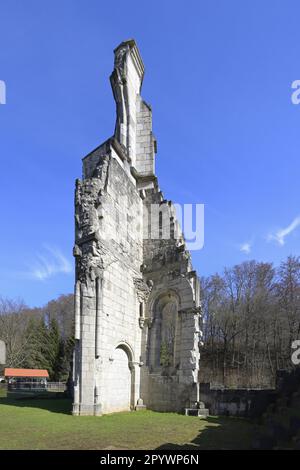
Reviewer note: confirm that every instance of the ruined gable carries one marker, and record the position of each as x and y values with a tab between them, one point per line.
137	305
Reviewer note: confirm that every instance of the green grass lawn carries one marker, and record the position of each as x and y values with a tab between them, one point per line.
48	424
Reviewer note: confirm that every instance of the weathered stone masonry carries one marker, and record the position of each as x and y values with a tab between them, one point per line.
137	305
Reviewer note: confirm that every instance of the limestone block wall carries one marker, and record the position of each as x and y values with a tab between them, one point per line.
122	229
109	307
110	147
145	141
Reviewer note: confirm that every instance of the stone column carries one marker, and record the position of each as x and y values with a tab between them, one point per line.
98	287
76	353
77	310
87	380
189	351
135	368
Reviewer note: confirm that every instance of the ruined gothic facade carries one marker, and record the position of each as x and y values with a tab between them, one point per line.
137	306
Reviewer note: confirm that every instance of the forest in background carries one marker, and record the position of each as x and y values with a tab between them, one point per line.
251	317
39	338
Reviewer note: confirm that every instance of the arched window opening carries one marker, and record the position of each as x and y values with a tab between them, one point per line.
163	340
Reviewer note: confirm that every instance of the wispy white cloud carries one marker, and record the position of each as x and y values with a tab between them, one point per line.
280	235
47	264
245	248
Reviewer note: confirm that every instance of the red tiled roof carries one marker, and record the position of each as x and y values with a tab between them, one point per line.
25	373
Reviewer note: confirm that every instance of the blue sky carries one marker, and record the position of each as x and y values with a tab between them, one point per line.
218	76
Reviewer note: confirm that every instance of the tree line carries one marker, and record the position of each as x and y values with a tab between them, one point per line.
251	318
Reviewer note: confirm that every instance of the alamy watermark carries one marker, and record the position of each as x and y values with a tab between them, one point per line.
295	96
296	354
184	223
2	92
175	221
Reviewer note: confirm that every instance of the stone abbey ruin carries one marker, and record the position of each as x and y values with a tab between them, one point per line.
137	305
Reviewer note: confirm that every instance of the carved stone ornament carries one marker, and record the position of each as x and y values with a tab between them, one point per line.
120	62
89	262
87	207
143	289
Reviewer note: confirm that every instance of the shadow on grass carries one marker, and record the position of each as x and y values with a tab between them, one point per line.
57	404
220	433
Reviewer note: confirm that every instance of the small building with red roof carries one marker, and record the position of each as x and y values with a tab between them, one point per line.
27	373
26	381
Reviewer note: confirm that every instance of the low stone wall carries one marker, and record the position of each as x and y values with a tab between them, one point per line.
237	402
168	394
